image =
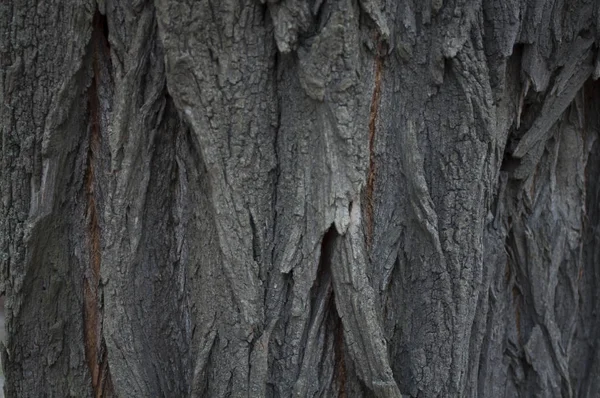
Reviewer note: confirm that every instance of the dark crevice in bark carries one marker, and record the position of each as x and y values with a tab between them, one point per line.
447	66
255	242
324	317
323	286
588	281
509	163
276	172
203	386
374	110
516	295
340	358
95	347
512	280
323	278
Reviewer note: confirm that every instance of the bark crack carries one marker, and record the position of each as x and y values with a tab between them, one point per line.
372	129
95	346
340	359
323	282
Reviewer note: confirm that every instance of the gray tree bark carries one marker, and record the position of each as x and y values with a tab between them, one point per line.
332	198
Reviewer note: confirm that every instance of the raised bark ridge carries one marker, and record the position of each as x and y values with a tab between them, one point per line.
300	198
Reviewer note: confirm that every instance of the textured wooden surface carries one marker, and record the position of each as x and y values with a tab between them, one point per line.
300	198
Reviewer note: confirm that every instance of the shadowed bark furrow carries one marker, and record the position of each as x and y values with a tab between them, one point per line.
300	198
95	347
372	130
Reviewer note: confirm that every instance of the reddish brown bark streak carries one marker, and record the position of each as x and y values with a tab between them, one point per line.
372	127
95	349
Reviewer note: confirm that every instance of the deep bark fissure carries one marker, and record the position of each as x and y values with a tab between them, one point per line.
276	172
589	274
374	110
255	241
340	358
323	282
95	347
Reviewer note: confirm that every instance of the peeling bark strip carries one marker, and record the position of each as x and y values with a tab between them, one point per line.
95	347
372	127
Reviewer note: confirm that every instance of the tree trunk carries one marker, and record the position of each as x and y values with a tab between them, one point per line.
339	198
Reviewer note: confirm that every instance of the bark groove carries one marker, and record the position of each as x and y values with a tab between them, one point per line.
95	347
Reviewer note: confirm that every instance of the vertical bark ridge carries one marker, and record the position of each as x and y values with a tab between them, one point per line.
95	347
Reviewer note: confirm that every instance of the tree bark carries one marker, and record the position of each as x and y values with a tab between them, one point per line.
333	198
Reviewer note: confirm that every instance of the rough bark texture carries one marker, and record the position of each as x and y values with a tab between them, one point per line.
336	198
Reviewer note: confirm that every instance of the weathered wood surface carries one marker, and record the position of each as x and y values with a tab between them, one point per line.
300	198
